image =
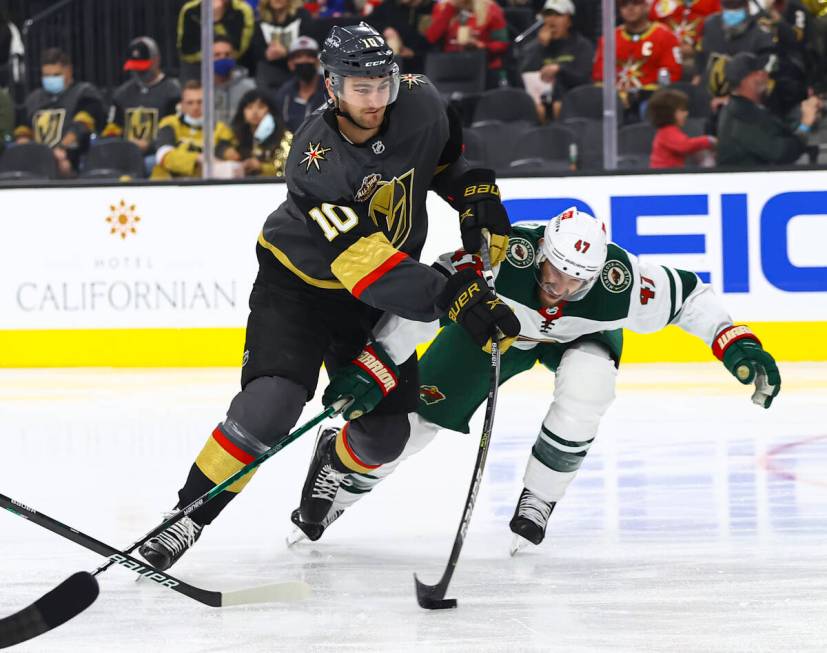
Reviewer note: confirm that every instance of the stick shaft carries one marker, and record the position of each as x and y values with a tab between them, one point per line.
438	591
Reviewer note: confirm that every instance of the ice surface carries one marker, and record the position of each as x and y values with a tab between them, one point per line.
697	523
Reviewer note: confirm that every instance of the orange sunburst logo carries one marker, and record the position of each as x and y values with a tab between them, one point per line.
122	219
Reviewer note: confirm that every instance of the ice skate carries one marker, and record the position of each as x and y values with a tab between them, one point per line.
322	481
312	532
529	521
166	548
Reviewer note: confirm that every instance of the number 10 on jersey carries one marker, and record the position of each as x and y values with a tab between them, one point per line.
329	220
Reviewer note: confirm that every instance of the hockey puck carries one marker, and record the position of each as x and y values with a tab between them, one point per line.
436	604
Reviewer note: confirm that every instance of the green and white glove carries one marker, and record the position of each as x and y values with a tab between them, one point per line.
743	355
366	380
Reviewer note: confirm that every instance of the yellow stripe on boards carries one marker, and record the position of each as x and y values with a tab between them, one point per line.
787	341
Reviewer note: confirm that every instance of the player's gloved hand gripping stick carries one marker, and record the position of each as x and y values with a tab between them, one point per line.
365	381
432	597
742	354
80	590
477	198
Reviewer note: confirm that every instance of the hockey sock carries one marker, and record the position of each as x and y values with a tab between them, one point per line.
219	459
345	455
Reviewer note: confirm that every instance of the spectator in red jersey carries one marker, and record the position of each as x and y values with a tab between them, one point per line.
668	110
645	53
458	25
686	20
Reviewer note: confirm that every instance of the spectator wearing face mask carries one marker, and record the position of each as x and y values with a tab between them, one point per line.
233	19
304	92
749	134
231	80
63	113
724	35
149	96
260	143
180	140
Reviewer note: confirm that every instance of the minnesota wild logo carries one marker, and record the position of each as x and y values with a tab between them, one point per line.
615	276
430	394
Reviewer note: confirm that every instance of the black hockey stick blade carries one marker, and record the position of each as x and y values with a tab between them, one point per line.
430	597
53	609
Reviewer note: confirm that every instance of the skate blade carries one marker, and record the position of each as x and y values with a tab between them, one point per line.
294	537
517	544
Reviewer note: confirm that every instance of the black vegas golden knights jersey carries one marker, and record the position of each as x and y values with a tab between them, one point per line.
79	108
355	216
137	110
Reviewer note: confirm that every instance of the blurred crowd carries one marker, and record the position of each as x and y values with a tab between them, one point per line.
700	83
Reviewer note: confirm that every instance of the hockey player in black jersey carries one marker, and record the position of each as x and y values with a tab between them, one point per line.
335	259
139	105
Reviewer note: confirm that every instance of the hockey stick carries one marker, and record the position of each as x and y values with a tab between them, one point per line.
80	590
432	597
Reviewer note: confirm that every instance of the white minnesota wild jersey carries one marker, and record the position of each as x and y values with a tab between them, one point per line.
628	293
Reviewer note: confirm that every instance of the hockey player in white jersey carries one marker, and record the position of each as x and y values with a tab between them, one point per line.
574	293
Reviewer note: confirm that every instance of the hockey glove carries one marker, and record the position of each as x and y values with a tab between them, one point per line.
743	355
366	380
472	305
480	207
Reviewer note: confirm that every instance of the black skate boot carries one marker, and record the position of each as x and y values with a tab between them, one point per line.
310	532
529	520
322	481
166	548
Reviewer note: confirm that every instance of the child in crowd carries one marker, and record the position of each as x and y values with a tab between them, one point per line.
668	110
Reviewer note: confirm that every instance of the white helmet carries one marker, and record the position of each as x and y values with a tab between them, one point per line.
574	242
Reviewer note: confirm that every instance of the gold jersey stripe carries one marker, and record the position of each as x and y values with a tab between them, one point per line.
286	262
218	465
361	258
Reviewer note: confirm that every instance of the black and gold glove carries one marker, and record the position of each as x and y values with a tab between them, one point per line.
480	207
471	304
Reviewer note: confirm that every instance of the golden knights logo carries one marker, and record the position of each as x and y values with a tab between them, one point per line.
48	126
717	82
391	207
141	124
430	394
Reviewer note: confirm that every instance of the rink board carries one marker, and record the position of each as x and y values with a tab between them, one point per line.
159	275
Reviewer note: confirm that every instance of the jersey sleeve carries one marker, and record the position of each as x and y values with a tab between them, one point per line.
365	261
663	295
452	163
